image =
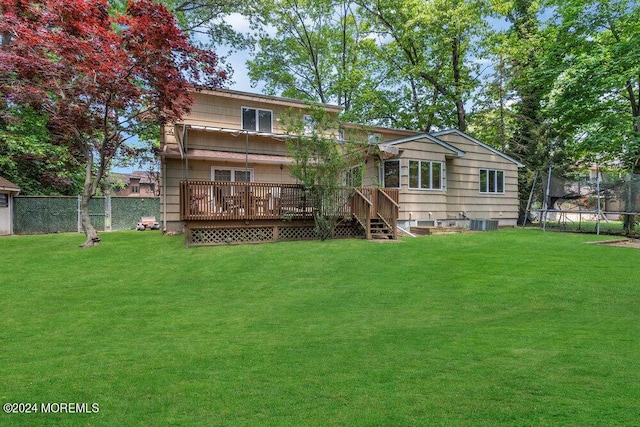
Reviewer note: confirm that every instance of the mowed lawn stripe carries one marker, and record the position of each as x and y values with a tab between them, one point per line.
504	328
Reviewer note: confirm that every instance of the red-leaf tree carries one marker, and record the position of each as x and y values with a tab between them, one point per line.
97	76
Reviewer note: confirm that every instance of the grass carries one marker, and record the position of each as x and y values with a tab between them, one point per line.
515	327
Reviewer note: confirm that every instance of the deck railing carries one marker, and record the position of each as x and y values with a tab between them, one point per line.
246	201
361	206
228	201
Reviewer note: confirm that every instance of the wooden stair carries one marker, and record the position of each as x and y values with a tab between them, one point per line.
380	230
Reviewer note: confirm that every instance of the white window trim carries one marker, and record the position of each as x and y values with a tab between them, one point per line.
504	176
257	110
233	172
431	162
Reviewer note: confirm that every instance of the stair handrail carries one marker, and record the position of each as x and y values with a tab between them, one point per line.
387	211
362	215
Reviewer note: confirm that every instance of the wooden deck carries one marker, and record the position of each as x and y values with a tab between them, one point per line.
228	212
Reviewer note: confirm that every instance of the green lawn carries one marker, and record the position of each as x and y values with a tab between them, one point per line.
513	328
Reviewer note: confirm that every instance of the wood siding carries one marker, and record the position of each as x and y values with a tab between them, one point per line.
220	112
463	192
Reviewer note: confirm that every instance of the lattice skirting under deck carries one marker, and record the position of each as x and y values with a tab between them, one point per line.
217	235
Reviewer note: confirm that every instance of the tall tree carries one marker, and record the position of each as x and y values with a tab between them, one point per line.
595	103
321	164
436	39
99	77
521	82
316	50
31	161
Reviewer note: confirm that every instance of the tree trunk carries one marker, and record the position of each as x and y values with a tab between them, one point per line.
457	80
88	192
89	230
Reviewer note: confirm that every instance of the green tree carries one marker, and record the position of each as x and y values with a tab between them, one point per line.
322	162
318	51
594	107
510	110
595	103
98	77
31	161
432	44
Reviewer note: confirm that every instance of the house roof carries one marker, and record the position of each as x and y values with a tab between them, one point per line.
482	144
7	185
454	150
142	176
248	96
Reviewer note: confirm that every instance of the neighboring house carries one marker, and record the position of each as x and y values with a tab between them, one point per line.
226	166
7	191
136	184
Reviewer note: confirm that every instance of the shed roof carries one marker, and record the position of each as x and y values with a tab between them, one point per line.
7	185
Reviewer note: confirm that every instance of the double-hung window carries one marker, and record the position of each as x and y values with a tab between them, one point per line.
256	120
491	181
425	175
231	174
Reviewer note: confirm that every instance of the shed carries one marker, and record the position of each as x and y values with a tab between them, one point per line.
7	191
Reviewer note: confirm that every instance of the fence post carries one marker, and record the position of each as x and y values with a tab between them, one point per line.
107	213
79	214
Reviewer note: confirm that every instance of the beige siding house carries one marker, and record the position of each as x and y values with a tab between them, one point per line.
228	159
449	178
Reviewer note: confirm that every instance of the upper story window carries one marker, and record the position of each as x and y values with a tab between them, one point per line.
309	124
425	175
392	174
256	120
491	181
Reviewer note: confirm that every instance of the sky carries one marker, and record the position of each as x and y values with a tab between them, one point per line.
237	60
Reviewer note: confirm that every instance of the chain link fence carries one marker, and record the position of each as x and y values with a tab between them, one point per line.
47	214
598	202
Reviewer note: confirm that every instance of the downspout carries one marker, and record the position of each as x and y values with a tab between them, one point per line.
164	198
407	232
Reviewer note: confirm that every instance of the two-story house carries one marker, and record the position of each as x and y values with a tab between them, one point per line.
225	175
